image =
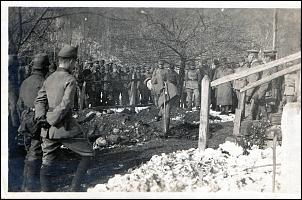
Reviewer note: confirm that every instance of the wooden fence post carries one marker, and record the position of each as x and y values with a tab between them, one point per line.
239	113
204	113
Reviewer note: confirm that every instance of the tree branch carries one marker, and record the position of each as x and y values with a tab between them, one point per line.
34	26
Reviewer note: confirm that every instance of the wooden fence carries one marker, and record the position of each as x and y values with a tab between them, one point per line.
205	92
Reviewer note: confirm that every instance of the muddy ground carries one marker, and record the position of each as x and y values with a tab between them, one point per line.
118	159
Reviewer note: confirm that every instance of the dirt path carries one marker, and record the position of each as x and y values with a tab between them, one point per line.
120	159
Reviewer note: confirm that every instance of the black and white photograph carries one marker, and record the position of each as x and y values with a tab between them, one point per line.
150	99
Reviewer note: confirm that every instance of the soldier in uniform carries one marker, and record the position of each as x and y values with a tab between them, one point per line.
211	73
155	91
143	89
261	103
192	78
167	95
89	88
53	109
31	130
97	76
250	103
125	87
224	91
116	85
107	90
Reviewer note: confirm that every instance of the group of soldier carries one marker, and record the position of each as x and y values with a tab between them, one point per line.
46	98
44	107
111	84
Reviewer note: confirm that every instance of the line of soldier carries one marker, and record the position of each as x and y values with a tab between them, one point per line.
106	83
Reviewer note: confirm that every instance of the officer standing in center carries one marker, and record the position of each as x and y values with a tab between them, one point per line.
31	130
167	95
53	107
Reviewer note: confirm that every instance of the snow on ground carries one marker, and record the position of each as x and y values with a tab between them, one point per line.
224	118
137	109
223	170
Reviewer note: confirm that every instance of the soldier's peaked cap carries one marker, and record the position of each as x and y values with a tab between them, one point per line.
40	61
269	52
68	52
253	51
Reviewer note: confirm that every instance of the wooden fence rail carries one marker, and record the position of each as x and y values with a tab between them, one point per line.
205	92
255	69
271	77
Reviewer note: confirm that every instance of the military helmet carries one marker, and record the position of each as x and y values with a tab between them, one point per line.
269	53
41	61
253	51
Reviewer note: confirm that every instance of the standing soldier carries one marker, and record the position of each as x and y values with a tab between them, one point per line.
125	88
98	85
250	103
167	96
30	130
192	78
154	81
107	96
224	91
116	85
212	72
53	109
173	76
147	82
261	103
89	88
144	91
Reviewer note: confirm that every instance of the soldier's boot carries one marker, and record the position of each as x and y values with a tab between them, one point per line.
33	176
79	175
24	183
45	178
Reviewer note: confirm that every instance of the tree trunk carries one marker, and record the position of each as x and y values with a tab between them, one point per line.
181	81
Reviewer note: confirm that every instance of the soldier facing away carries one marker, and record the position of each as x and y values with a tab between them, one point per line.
28	127
53	107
